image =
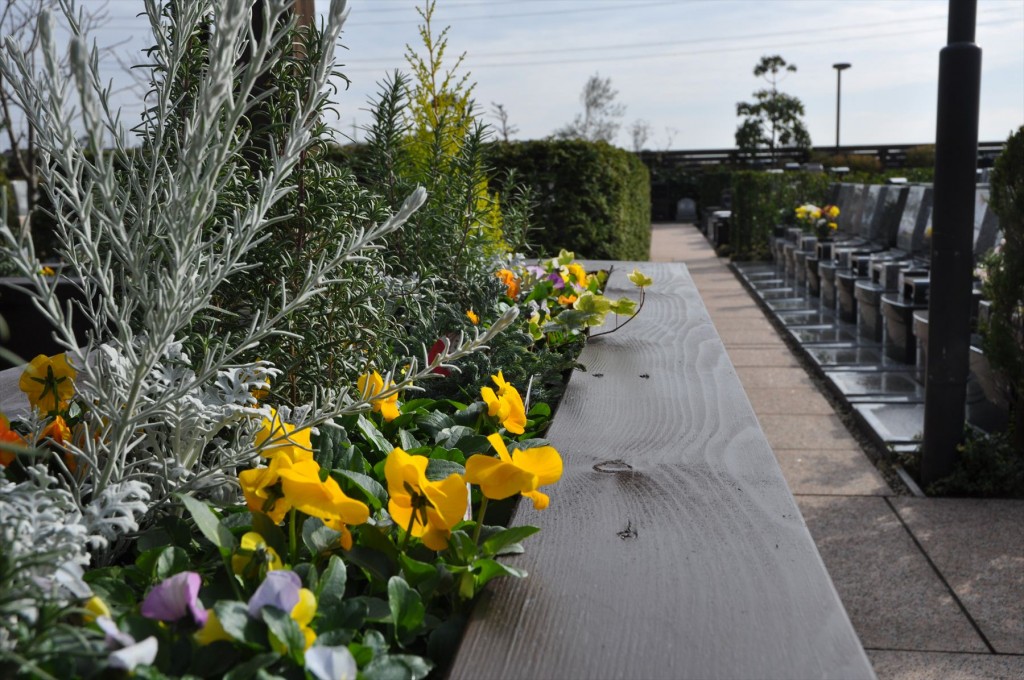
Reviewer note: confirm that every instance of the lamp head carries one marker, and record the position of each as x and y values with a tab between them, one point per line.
840	67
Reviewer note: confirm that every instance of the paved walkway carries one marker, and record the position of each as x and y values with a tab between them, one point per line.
934	586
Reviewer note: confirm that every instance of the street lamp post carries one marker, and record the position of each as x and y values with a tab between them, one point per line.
839	78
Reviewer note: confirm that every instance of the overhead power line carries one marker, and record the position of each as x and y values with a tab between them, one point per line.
472	64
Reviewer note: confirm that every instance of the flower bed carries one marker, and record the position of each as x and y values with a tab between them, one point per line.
300	384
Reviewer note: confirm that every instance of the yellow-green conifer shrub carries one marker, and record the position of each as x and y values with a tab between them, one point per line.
441	118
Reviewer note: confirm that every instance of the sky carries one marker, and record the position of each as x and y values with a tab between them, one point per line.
679	65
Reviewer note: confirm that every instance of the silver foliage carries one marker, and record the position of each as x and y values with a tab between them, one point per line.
142	240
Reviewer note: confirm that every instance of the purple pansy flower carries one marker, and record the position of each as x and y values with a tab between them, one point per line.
331	663
538	272
174	598
557	279
279	589
126	653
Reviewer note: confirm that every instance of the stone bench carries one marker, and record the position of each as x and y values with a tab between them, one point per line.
672	547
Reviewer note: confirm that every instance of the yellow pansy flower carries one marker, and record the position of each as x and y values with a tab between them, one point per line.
428	510
576	274
48	382
566	299
303	490
303	613
276	436
96	608
252	546
261	489
506	405
472	316
523	472
212	630
371	384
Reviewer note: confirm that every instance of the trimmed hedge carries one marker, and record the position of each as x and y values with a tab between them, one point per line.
760	200
589	197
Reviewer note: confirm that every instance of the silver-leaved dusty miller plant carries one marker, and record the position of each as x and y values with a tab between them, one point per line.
143	241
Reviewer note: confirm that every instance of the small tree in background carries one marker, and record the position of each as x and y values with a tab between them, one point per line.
505	130
639	132
599	121
773	120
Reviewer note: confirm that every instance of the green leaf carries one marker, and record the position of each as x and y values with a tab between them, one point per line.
505	537
234	617
407	441
449	437
422	576
376	565
534	443
469	415
152	539
476	443
540	409
209	525
283	627
335	451
486	569
397	667
373	436
377	609
417	404
250	668
623	307
375	494
462	546
407	609
318	537
441	453
541	291
438	469
433	422
172	560
331	588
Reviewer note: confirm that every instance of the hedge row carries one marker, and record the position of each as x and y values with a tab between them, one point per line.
760	200
591	198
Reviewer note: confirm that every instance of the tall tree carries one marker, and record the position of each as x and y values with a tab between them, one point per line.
599	121
773	120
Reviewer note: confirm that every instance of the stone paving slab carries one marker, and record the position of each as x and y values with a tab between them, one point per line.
762	357
894	598
831	472
781	377
978	547
781	401
747	336
806	432
938	666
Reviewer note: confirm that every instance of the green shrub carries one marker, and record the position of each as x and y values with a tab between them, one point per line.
589	197
1004	285
760	200
922	156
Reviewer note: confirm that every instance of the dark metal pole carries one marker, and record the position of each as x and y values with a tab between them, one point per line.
839	86
956	159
